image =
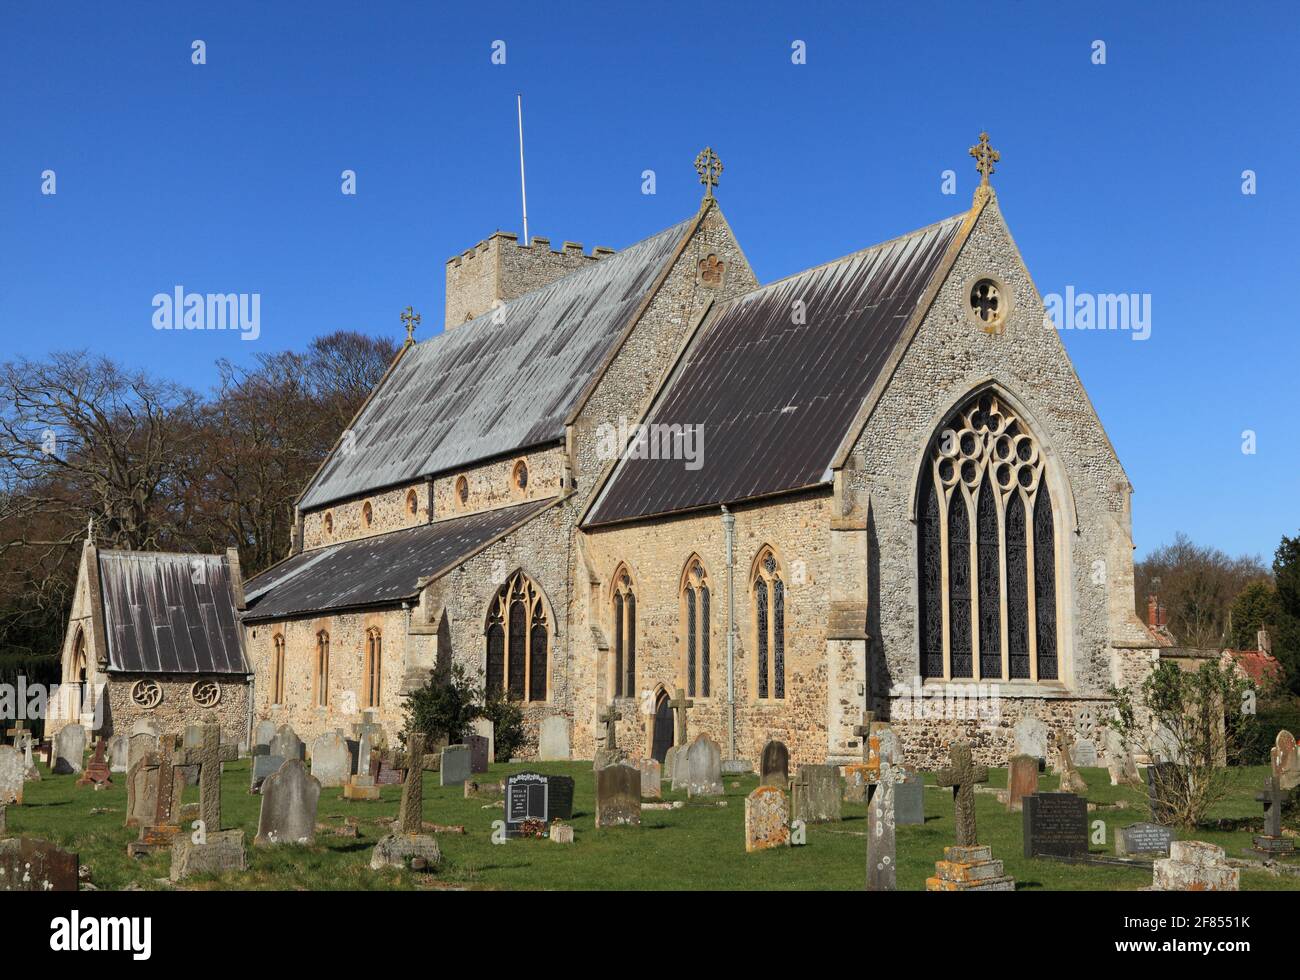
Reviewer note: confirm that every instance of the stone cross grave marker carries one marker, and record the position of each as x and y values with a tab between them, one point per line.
410	817
208	757
679	704
962	775
609	719
1272	842
863	731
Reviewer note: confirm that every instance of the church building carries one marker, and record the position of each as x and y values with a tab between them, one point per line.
877	485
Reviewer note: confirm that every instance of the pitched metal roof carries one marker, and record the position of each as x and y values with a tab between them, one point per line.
776	397
169	613
372	571
501	382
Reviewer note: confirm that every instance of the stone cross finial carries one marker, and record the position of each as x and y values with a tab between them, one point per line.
679	704
412	320
208	757
962	776
709	167
608	719
410	817
985	156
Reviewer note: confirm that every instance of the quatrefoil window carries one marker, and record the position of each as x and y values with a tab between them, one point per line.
987	303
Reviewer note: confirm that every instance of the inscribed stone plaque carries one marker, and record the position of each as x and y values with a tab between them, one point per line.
704	762
479	752
28	864
909	800
69	749
774	766
532	796
289	799
1055	824
618	796
1142	839
331	762
767	819
817	796
455	768
553	740
1022	779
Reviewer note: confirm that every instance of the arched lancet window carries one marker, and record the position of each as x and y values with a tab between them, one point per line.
78	669
986	550
518	641
769	625
624	625
277	675
696	628
374	665
322	669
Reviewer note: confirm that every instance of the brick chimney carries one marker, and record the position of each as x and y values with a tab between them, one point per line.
1155	612
499	268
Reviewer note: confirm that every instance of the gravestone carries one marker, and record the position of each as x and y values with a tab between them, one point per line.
206	758
817	796
480	751
1084	753
968	866
69	749
1055	824
531	798
331	762
28	864
220	851
1070	780
680	703
408	845
774	766
119	753
1119	761
858	781
160	828
1031	738
144	740
23	740
1141	839
484	728
651	779
456	765
262	767
608	754
909	800
553	741
362	786
704	762
891	746
962	775
678	767
1272	843
1285	761
881	852
263	732
1162	781
12	771
191	738
97	771
1194	866
286	744
618	796
767	819
289	800
1022	779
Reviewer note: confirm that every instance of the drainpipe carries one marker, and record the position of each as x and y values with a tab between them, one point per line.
729	529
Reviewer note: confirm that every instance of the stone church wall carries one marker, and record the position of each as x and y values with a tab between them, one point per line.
389	511
178	708
949	358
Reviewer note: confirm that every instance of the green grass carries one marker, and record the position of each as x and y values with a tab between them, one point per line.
698	847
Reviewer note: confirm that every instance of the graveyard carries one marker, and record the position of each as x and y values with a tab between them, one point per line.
700	845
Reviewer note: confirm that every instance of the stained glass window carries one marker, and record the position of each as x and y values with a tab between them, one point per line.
518	627
630	686
760	613
1045	584
517	641
496	657
537	656
778	638
618	644
704	641
690	641
959	629
1017	588
930	585
988	558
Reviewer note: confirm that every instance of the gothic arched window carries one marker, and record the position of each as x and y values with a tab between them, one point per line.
374	665
769	625
624	623
277	677
696	631
986	550
518	641
322	669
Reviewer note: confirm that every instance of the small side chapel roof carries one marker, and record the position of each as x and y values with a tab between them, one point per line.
776	396
169	613
502	382
378	570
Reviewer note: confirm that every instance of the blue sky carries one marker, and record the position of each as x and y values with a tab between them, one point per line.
1122	177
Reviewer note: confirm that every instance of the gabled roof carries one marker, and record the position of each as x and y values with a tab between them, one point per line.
169	613
382	569
776	396
502	382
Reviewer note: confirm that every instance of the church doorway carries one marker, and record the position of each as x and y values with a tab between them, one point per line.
663	730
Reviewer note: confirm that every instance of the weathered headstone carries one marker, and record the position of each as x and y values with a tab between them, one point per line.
161	827
262	767
1055	824
533	799
263	732
456	765
119	752
289	800
909	800
881	852
1085	753
618	796
651	779
219	852
12	771
28	864
479	752
1141	839
704	762
1119	761
408	845
1285	761
553	739
286	744
677	768
484	728
69	749
1022	779
767	819
144	740
1162	783
97	770
858	781
962	775
1194	866
774	765
331	762
1031	737
817	796
1070	780
362	786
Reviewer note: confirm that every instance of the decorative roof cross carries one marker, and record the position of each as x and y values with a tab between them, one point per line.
412	320
709	167
985	156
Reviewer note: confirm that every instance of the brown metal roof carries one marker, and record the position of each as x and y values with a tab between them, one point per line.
169	613
775	397
378	570
505	381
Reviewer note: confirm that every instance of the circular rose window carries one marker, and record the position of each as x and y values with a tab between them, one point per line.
147	693
206	693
